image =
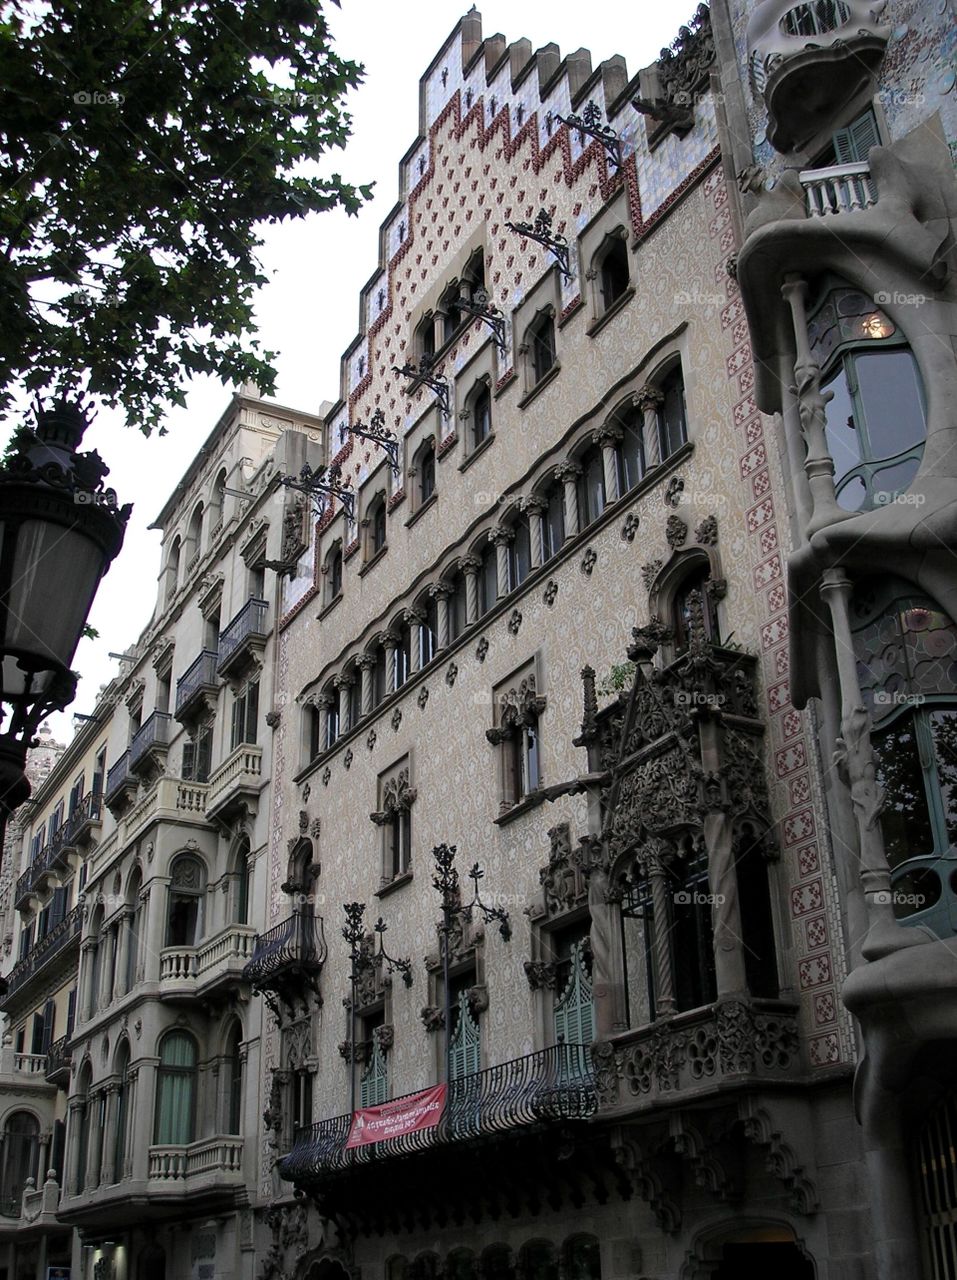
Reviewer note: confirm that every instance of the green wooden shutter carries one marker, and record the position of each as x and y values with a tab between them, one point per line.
575	1010
252	711
466	1044
189	761
853	143
236	735
374	1085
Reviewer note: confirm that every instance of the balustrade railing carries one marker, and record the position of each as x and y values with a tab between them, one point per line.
552	1085
298	941
222	1155
841	188
249	622
31	1064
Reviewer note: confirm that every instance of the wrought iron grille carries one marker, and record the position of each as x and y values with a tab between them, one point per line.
59	936
154	732
249	621
117	776
200	674
552	1085
298	941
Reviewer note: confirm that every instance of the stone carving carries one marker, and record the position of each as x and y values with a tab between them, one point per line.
371	739
396	718
517	707
674	490
451	673
423	697
676	531
514	622
541	974
630	527
481	649
589	560
293	532
433	1018
551	592
326	775
397	797
347	759
562	881
649	572
671	83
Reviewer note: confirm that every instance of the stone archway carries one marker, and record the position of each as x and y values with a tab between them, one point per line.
744	1250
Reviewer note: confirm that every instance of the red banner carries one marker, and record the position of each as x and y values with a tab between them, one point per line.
393	1119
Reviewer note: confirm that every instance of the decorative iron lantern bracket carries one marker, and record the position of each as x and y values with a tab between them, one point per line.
323	480
379	434
589	122
541	230
482	308
438	386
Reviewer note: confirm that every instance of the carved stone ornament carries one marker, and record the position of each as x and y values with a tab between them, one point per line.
481	649
451	673
273	718
514	622
589	560
423	697
396	718
561	880
630	527
433	1018
326	775
551	592
293	531
706	534
676	531
676	487
371	739
541	974
518	706
649	572
397	797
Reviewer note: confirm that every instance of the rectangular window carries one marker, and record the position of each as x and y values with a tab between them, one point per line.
245	716
198	756
99	771
76	795
672	421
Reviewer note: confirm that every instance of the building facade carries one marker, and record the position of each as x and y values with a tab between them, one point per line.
130	1141
554	628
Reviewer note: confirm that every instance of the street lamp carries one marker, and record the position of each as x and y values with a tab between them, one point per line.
59	531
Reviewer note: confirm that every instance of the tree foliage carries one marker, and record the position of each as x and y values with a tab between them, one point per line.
143	146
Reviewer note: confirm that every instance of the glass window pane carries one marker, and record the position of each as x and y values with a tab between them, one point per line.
631	454
890	396
843	442
943	726
905	819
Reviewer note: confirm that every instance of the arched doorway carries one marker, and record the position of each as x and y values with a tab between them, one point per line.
757	1258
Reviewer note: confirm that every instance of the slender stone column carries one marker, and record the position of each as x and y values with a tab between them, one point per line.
108	1172
77	1111
119	984
649	400
155	901
390	642
569	473
366	664
87	1003
812	402
322	702
470	566
440	594
608	437
665	993
416	620
344	683
105	984
535	508
501	539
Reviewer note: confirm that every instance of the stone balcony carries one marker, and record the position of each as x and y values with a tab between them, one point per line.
838	189
197	1166
236	782
169	799
698	1053
217	963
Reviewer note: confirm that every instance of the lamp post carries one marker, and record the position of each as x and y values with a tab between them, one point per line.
446	880
59	532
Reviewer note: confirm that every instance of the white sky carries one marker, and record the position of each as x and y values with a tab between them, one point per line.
309	311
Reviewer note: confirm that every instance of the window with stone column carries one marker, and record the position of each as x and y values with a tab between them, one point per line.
393	817
518	706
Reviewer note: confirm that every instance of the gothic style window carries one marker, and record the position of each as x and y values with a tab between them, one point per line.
672	417
457	605
175	1122
465	1043
242	875
425	338
540	345
591	487
244	726
186	893
610	265
301	1098
574	1011
428	632
480	417
332	716
553	520
403	654
906	649
334	572
876	423
21	1155
423	465
134	925
691	599
516	734
394	817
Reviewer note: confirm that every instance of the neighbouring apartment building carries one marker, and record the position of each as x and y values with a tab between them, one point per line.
131	1053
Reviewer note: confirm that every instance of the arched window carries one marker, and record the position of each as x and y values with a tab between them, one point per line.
133	924
581	1256
376	528
194	534
537	1261
876	423
610	265
403	653
591	486
332	715
217	501
175	1123
540	347
424	467
429	631
242	878
906	650
480	416
187	891
553	520
121	1113
487	579
457	605
172	570
425	339
233	1091
631	450
672	418
334	572
380	676
21	1156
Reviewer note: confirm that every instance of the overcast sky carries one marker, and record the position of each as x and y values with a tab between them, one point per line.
309	312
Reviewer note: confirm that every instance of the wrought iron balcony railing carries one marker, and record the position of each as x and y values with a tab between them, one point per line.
118	776
59	1061
553	1085
153	732
60	936
198	678
248	626
88	811
298	943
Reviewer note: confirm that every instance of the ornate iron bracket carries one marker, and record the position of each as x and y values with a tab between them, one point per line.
323	480
446	880
379	434
541	230
481	308
589	122
438	386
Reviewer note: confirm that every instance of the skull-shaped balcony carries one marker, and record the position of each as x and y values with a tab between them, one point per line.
288	959
810	60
